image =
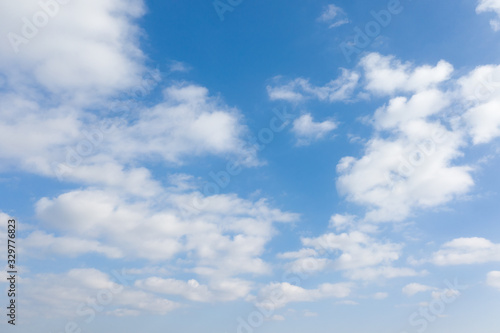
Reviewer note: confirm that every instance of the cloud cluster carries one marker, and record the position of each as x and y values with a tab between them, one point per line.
85	292
58	79
464	251
306	130
490	6
277	295
355	253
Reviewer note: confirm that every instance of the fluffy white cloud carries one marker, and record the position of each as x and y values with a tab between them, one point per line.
53	46
85	292
414	288
401	112
219	290
68	144
480	89
300	89
490	6
358	255
278	295
386	75
341	222
222	235
493	279
44	244
412	170
408	163
307	130
66	69
461	251
188	122
356	249
334	16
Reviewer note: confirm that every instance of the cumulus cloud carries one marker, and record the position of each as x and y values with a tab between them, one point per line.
58	83
307	130
85	291
356	249
63	54
341	222
409	162
493	279
358	255
278	295
65	144
481	91
386	75
45	244
464	251
490	6
220	290
222	231
223	236
414	288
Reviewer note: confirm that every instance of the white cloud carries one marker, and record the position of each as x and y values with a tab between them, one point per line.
78	61
179	66
300	89
484	121
462	251
480	89
188	122
386	75
408	163
307	130
68	144
493	279
334	16
401	112
308	265
357	250
358	255
414	288
218	290
77	289
43	244
69	69
277	295
191	289
341	222
490	6
223	235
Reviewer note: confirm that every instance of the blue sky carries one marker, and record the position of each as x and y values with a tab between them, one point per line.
251	166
